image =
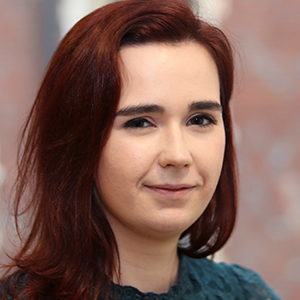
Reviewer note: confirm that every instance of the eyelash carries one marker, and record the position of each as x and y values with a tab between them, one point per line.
141	122
136	123
203	118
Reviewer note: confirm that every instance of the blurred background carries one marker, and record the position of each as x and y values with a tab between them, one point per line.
266	38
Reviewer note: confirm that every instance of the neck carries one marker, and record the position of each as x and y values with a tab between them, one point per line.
147	264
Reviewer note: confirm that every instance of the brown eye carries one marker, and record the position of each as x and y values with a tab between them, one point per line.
137	123
201	120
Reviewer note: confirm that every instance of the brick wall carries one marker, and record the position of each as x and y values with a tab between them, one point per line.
20	73
20	69
266	112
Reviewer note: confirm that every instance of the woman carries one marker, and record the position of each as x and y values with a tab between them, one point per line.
128	163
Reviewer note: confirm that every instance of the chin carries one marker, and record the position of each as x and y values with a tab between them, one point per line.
173	226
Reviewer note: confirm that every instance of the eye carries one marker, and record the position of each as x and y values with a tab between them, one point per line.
201	120
138	123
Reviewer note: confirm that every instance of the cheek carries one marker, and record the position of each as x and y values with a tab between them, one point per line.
217	150
123	161
211	154
210	164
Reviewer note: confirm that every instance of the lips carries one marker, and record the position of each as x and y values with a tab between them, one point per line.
171	190
171	187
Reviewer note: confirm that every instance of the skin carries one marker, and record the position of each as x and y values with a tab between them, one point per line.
162	162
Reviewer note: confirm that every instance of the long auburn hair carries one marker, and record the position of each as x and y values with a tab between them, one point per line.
70	250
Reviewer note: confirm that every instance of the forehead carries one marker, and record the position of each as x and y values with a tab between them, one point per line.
159	71
157	55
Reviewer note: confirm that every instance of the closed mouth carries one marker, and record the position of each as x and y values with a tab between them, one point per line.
170	188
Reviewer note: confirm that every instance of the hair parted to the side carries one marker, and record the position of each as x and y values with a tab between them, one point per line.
71	249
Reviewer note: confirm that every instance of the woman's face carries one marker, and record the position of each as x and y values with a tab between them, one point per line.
162	162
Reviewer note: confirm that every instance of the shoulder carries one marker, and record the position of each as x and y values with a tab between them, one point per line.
229	278
11	286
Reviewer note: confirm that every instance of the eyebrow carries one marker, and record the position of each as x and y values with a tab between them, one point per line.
140	109
203	105
154	108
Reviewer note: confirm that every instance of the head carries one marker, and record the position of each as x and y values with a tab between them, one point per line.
71	121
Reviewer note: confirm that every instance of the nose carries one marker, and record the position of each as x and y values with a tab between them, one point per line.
174	150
